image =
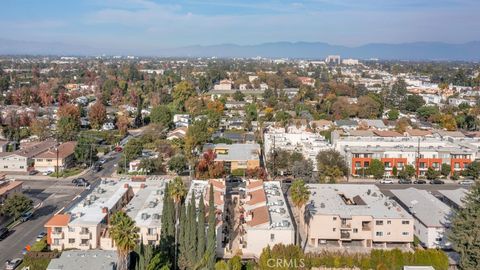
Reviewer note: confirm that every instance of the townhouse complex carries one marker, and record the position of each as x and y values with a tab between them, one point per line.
264	217
354	216
397	150
85	224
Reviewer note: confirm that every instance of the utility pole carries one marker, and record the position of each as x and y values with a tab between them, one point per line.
418	160
274	156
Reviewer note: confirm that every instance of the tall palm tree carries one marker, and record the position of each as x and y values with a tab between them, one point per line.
177	191
125	235
300	195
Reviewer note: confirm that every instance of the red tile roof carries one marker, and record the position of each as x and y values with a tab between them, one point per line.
60	220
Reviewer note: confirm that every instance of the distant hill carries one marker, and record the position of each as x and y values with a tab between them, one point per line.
469	51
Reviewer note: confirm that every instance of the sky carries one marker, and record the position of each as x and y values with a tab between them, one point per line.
151	24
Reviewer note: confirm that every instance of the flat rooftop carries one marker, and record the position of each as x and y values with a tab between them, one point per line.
425	207
277	208
455	195
238	152
347	200
94	259
146	206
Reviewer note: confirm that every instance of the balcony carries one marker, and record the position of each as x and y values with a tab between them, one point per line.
344	235
346	226
85	235
57	234
151	237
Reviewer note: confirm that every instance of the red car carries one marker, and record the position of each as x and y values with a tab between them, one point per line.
118	149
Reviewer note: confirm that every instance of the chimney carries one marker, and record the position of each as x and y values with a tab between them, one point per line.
105	210
125	185
142	185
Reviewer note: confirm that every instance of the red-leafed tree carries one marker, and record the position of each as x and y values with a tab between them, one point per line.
97	115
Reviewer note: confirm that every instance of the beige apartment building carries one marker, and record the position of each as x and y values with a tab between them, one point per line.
22	160
340	215
85	225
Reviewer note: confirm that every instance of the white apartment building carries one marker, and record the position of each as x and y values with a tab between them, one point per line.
306	143
340	215
431	216
265	220
85	225
22	160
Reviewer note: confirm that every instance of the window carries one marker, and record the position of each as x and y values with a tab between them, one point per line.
56	242
21	167
152	231
405	233
39	160
389	222
379	222
355	230
70	229
358	164
71	240
405	222
334	229
272	237
49	160
334	218
5	167
379	234
438	239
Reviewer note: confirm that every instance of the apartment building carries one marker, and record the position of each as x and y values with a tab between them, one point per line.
265	219
306	143
9	188
22	160
61	158
85	225
432	217
201	188
354	216
238	156
398	151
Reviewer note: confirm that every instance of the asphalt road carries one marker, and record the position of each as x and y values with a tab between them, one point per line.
53	195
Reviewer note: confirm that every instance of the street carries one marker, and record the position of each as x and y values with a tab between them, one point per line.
53	195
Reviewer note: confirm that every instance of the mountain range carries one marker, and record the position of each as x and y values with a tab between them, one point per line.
440	51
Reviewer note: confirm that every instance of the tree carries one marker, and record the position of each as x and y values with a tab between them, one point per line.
181	93
177	163
432	174
122	124
377	169
14	206
133	149
331	165
210	252
472	170
414	102
67	128
464	230
368	107
446	169
86	150
393	114
238	96
407	172
202	241
40	128
300	195
176	190
394	171
162	115
125	235
97	115
302	169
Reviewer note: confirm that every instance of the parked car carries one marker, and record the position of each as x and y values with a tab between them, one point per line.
118	149
97	168
40	236
467	182
47	173
386	181
12	264
420	182
437	182
80	182
32	172
404	181
26	216
3	233
103	161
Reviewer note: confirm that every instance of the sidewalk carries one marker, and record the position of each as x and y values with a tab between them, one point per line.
41	177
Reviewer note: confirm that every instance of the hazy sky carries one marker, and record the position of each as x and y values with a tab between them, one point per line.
147	24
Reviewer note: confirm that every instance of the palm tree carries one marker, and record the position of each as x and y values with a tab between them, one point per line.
177	191
300	195
125	235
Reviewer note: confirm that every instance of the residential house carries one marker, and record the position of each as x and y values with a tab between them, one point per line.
61	157
22	160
